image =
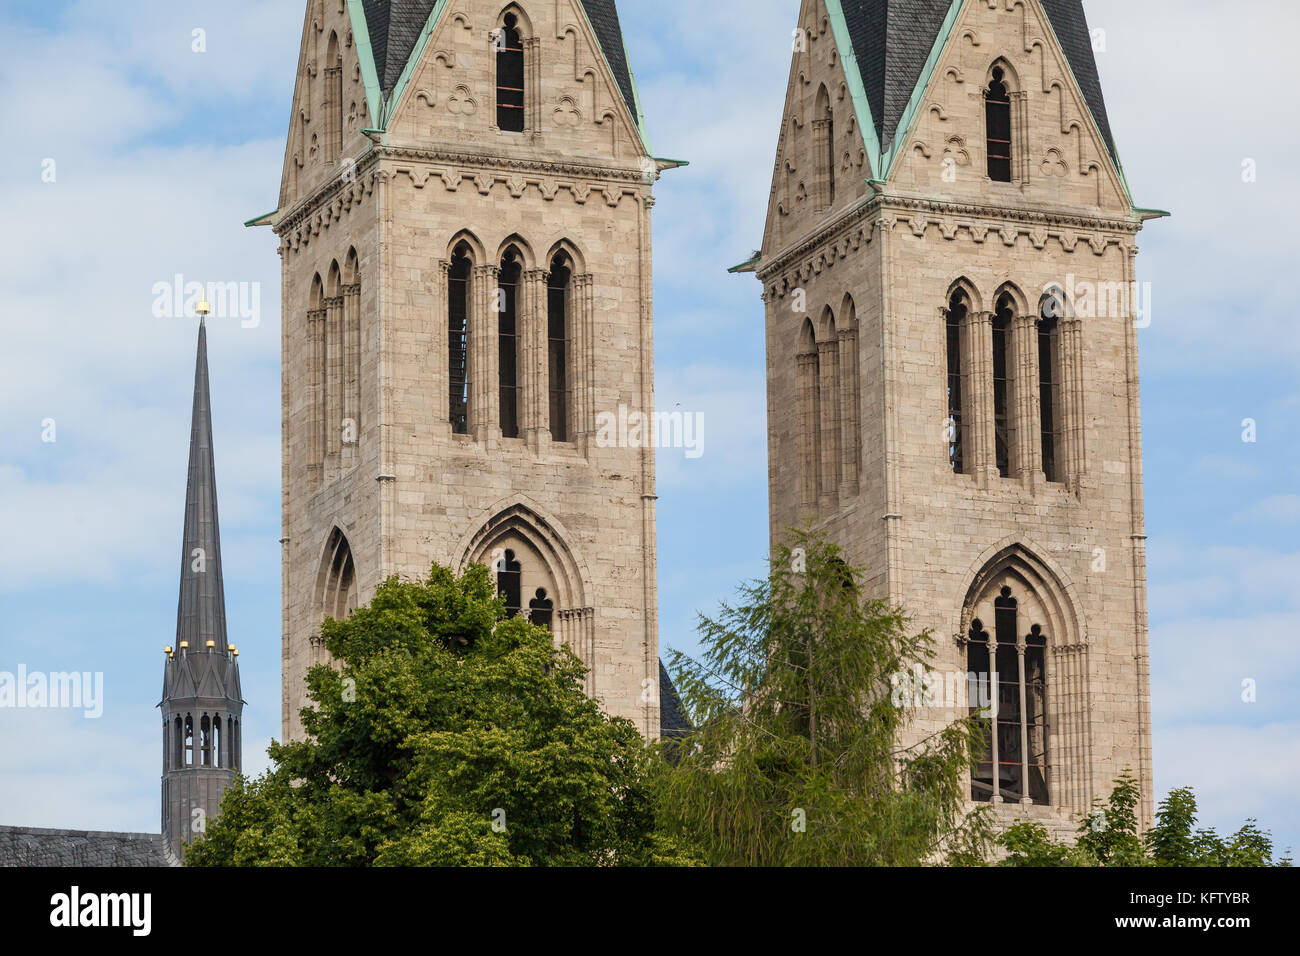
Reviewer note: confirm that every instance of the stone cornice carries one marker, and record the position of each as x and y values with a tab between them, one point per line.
444	155
882	213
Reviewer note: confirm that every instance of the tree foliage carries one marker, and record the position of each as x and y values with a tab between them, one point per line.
796	759
445	734
1108	836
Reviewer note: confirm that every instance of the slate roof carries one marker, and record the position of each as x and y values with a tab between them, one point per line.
673	721
395	26
892	40
201	607
29	846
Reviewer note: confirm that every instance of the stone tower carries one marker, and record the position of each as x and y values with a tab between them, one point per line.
202	708
464	220
952	315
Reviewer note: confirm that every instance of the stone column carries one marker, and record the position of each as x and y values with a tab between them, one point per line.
850	414
532	321
1070	345
316	384
977	396
821	149
533	87
582	355
484	423
333	384
352	373
1026	432
439	362
828	412
809	460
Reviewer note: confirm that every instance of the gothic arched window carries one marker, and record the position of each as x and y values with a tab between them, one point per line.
510	76
1002	370
508	338
997	119
178	746
540	609
333	100
510	583
1049	346
458	338
189	740
958	307
207	741
557	323
808	399
824	145
1008	684
216	742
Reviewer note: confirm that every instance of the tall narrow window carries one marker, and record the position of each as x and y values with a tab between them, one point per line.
997	120
458	339
510	583
189	740
510	76
178	746
540	609
216	742
508	348
1048	387
207	741
557	312
1011	707
333	100
1002	383
957	309
824	147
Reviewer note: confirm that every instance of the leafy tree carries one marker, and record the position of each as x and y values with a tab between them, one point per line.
1109	836
445	735
796	759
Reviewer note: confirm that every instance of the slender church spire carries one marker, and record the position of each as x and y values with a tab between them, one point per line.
202	708
201	610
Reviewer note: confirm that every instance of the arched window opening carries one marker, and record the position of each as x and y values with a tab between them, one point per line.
216	742
206	741
540	609
1008	686
333	100
958	307
236	745
1002	319
458	338
178	745
189	740
167	754
809	411
997	119
510	583
557	311
824	147
1049	345
337	579
510	76
508	337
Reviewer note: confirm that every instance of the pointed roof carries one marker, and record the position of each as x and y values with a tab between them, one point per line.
395	29
201	609
894	44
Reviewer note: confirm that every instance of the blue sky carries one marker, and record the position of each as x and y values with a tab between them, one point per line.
161	154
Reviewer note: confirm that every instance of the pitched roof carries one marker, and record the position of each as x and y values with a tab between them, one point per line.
395	26
892	41
31	846
201	608
673	721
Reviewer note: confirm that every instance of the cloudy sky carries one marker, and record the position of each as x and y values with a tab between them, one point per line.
158	154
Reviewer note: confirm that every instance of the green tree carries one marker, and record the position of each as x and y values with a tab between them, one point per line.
1108	836
796	759
445	735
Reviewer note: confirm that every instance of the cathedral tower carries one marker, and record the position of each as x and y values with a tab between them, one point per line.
952	315
464	220
202	708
